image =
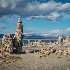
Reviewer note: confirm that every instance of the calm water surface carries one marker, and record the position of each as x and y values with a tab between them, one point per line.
25	41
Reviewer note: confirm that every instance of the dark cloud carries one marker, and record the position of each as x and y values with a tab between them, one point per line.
29	8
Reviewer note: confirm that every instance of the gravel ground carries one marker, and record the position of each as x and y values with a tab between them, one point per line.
32	61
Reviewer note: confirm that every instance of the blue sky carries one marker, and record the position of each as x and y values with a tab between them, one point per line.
44	17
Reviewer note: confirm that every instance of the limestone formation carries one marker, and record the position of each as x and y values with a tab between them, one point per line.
29	43
10	44
18	37
60	39
7	40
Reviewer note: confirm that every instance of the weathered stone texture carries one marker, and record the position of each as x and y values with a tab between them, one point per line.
18	36
7	40
10	44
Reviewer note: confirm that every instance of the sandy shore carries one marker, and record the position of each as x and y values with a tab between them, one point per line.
32	61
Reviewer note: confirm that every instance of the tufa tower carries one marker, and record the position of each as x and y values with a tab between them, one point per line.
18	37
14	45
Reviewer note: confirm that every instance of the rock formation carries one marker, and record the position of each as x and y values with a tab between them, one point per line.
10	44
18	36
7	40
60	39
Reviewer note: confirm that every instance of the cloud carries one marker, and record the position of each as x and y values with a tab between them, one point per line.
57	32
65	8
68	29
50	10
8	19
11	3
54	16
29	30
36	17
44	9
3	26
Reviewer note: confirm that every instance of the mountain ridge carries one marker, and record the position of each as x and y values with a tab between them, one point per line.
35	36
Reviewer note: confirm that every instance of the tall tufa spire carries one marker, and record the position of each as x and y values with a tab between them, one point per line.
18	36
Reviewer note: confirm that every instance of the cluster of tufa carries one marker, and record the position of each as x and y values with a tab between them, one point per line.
13	45
7	40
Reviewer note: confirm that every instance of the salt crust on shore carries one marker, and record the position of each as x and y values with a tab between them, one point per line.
32	61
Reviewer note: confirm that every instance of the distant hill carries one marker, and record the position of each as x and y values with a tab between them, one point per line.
35	36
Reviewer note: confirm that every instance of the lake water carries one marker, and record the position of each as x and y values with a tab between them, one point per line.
42	40
25	41
0	39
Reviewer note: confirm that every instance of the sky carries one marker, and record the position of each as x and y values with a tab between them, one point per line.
43	17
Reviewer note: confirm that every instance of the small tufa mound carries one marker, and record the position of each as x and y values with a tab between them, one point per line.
46	52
